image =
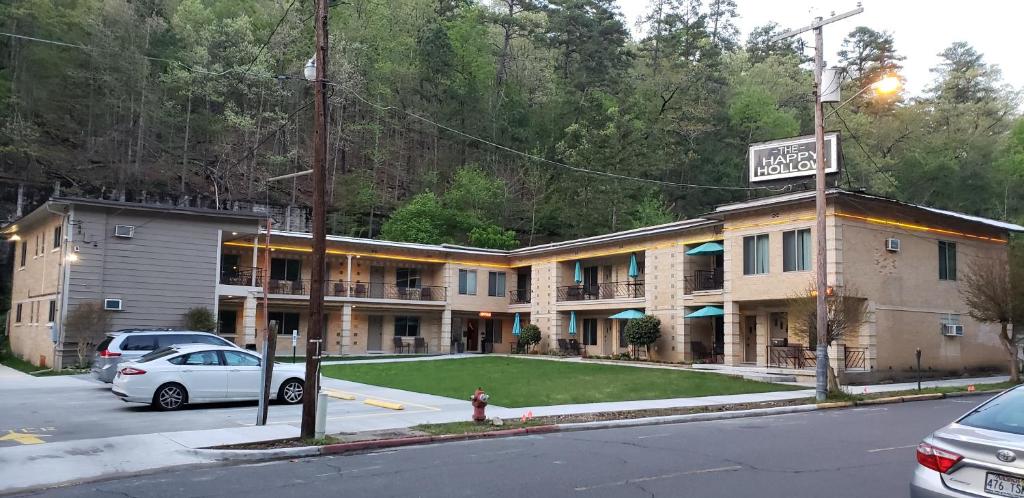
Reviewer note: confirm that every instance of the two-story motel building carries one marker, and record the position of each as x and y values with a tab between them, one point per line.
719	283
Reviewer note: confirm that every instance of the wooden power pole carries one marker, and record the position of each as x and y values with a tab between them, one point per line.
821	270
314	334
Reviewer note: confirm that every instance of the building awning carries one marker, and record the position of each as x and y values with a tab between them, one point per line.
628	315
706	311
706	248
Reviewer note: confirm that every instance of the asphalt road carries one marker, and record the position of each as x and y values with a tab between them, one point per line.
837	453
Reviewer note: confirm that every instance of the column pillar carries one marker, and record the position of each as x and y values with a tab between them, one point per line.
764	337
346	328
446	330
249	321
733	338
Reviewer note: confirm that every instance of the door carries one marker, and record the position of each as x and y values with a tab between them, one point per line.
472	336
377	282
243	375
204	376
750	339
590	282
229	270
374	330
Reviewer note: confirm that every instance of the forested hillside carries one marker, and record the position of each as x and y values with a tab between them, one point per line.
455	120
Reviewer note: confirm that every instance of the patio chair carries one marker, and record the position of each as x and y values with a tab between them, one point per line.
563	346
339	289
400	345
297	287
574	293
575	348
425	294
360	290
700	352
419	345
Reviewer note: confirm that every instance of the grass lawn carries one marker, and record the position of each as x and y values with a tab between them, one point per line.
518	382
300	359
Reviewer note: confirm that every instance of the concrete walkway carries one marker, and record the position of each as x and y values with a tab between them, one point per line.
403	359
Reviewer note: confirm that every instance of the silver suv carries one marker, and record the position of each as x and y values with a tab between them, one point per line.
131	344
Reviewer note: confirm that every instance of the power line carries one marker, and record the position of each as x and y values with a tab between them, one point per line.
266	42
861	146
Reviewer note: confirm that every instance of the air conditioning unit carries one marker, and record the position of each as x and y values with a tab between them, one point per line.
892	245
113	305
124	231
952	330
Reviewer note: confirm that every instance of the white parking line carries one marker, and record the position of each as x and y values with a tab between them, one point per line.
876	450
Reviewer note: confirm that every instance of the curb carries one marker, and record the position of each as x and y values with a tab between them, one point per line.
692	417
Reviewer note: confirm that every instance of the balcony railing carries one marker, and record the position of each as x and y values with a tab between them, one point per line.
791	357
519	296
604	290
361	290
241	275
704	280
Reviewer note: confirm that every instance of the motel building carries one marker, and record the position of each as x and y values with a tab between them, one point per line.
720	284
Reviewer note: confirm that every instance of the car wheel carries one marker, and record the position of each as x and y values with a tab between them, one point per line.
170	397
291	391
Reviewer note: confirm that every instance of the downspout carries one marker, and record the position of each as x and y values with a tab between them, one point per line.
65	285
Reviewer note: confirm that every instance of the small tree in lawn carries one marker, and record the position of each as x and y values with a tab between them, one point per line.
529	335
201	319
995	295
642	332
846	312
85	326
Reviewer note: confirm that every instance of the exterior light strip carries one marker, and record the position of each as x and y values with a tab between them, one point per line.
338	252
919	228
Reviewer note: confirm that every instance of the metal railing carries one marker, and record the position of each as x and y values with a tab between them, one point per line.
704	280
856	358
791	357
604	290
241	275
362	290
519	296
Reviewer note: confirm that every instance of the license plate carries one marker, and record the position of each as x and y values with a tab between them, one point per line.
1001	485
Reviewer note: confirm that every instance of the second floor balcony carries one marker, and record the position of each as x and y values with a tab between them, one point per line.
704	280
362	290
241	275
630	289
519	296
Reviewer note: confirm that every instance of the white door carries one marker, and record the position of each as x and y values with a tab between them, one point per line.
204	376
243	375
374	333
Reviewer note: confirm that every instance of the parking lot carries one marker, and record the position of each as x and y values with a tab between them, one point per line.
39	410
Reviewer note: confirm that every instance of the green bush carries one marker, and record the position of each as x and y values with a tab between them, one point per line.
642	332
200	319
529	335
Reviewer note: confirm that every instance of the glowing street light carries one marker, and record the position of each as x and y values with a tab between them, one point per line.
887	85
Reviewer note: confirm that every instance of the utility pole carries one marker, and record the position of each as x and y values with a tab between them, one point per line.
314	334
270	336
821	273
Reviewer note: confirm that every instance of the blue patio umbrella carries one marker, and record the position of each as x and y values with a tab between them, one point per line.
707	311
628	315
634	269
579	273
515	326
572	323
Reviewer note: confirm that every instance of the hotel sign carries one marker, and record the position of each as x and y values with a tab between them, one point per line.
791	157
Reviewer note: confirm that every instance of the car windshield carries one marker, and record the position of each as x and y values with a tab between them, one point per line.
157	354
1004	414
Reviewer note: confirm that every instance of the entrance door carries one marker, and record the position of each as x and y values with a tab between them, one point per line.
750	339
374	330
377	282
472	336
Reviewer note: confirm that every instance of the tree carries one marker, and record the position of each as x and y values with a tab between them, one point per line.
642	332
493	237
200	318
994	293
423	220
867	55
529	335
845	311
85	327
763	42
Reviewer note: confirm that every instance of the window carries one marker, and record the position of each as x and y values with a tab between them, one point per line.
1003	414
17	313
139	343
755	254
52	314
156	354
407	278
467	282
622	333
38	248
496	284
947	260
237	359
796	250
590	332
492	331
56	236
285	322
24	252
285	269
407	326
207	358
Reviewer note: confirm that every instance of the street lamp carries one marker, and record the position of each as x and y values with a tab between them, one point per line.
886	85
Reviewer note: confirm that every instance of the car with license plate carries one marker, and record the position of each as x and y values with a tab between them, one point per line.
130	344
980	454
171	377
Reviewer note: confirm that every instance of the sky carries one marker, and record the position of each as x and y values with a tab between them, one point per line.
921	28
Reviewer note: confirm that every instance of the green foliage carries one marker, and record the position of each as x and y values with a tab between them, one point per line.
529	335
423	220
642	332
201	319
493	237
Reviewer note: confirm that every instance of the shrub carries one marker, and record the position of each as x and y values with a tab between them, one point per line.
200	319
529	335
642	332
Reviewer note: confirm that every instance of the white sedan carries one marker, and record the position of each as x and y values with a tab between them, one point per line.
170	377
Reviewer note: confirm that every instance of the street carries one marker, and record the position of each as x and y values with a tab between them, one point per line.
855	452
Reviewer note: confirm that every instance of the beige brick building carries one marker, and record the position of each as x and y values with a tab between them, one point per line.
720	285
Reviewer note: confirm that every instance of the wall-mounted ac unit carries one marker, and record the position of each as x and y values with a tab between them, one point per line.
892	245
952	330
113	305
124	231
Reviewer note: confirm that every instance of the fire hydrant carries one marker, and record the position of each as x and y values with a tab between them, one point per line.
479	400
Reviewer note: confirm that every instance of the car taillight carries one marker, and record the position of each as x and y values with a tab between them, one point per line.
936	458
106	353
132	371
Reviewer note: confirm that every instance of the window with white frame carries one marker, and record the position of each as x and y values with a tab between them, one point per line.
755	254
467	282
407	326
17	313
947	260
496	284
51	315
796	250
407	278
